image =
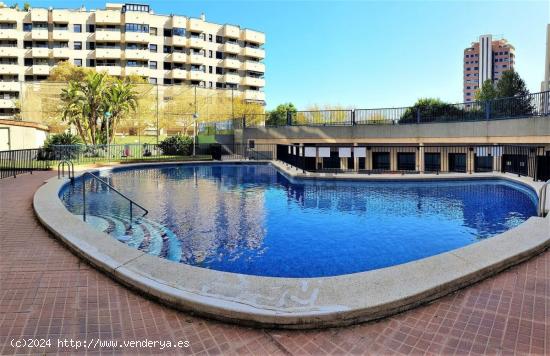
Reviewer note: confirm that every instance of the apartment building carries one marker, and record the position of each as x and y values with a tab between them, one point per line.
125	39
484	60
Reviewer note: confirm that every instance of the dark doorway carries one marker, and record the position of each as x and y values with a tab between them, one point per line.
381	161
457	162
432	162
406	161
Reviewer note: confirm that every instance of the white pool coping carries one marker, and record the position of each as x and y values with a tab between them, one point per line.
294	302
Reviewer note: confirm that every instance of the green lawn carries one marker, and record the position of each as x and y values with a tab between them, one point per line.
137	139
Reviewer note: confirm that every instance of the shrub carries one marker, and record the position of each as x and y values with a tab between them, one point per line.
60	146
431	110
177	145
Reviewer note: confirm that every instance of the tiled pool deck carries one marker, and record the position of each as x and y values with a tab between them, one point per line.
48	293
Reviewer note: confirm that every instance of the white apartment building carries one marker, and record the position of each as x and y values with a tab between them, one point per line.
125	39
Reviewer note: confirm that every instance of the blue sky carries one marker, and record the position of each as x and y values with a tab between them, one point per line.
371	54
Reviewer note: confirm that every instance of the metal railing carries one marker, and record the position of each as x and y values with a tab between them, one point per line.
532	105
132	203
541	208
16	162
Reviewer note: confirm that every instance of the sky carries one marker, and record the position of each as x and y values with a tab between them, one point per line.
370	54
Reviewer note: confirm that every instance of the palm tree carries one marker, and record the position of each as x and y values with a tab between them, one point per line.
72	110
92	96
120	100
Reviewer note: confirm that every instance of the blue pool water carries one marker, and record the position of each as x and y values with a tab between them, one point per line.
251	219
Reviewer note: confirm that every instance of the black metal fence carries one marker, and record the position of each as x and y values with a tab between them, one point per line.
530	161
17	162
532	105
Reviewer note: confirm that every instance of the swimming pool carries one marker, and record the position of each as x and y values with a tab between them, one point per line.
251	219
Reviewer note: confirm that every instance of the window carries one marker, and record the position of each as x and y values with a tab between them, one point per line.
153	31
167	65
210	69
28	61
167	81
167	32
210	54
153	64
27	27
135	27
219	39
90	63
167	49
219	70
178	31
219	55
219	85
77	45
27	44
90	28
210	39
77	28
90	45
153	48
152	80
78	62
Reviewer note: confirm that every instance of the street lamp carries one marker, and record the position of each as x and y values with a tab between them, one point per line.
195	117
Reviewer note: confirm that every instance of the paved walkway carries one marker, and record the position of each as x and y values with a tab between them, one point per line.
48	293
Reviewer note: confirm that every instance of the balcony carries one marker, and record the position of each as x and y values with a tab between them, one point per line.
9	68
61	52
231	48
254	95
7	103
232	78
139	37
231	31
141	71
40	52
61	16
254	82
178	57
136	17
178	74
196	75
196	58
8	34
111	70
111	17
39	15
253	36
179	41
231	63
61	35
254	52
179	21
196	42
136	54
254	66
39	69
39	34
10	52
196	25
108	53
10	86
107	36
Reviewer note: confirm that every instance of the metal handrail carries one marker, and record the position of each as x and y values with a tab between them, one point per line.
132	203
61	169
542	199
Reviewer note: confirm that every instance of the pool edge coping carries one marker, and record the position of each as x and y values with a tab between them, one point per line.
291	302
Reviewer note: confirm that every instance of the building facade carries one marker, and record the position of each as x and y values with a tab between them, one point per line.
128	39
545	85
484	60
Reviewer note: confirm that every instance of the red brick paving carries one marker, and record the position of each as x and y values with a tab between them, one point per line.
46	292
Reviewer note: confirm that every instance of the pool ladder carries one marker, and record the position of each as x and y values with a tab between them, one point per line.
132	203
542	198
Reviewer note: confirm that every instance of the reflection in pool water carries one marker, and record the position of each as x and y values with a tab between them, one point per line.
251	219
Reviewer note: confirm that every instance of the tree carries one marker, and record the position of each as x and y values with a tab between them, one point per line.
486	92
120	100
26	6
278	117
66	71
85	104
430	109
